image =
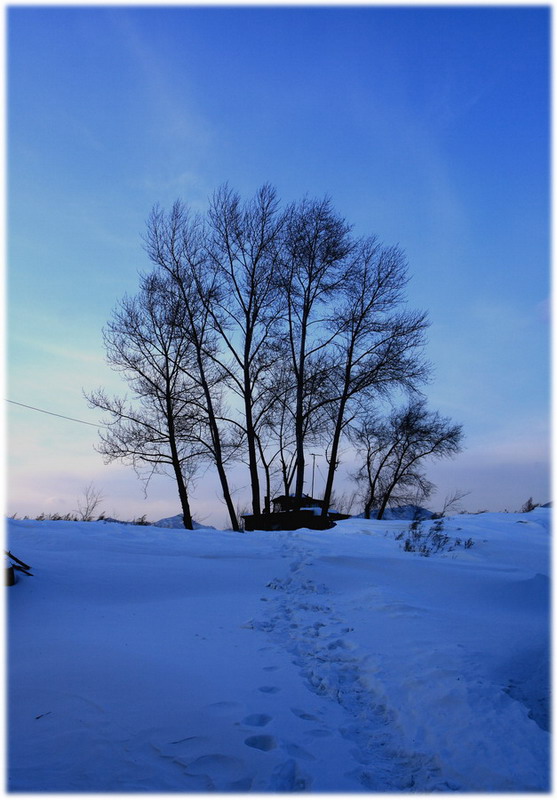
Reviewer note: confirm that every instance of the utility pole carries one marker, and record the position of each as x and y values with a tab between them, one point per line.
313	473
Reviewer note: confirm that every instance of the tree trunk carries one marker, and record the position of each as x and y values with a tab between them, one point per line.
384	502
300	458
285	479
267	502
339	424
181	484
211	416
184	500
221	471
372	482
267	471
367	508
333	458
250	434
215	439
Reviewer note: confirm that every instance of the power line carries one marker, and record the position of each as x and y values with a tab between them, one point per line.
52	414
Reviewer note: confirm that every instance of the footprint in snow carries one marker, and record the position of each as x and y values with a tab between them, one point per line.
269	689
340	644
196	783
299	752
226	773
225	766
224	708
304	714
257	720
288	777
261	742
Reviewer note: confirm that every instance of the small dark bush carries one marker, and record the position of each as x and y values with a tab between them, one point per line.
141	520
430	542
528	506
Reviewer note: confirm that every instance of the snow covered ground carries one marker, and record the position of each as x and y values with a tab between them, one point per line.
158	659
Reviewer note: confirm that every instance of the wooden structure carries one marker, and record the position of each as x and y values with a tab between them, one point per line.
15	564
290	503
290	513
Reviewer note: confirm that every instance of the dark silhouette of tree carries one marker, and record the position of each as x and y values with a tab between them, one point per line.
262	331
394	451
177	243
277	436
146	341
528	506
378	347
451	503
89	502
244	246
315	251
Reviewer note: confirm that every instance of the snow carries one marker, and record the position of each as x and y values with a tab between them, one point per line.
159	659
403	512
178	522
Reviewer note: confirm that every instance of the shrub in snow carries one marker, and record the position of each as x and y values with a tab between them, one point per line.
141	520
431	541
55	517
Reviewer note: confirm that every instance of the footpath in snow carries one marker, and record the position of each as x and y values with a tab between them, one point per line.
164	660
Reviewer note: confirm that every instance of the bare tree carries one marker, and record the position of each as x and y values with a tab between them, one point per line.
146	341
261	332
89	502
316	247
244	247
451	503
177	243
344	503
278	430
378	347
277	437
394	451
373	439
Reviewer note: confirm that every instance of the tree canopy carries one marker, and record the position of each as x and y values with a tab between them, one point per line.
262	330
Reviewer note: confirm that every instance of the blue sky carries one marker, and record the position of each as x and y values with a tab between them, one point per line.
427	126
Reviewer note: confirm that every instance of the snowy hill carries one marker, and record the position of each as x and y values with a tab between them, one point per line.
178	522
158	659
403	512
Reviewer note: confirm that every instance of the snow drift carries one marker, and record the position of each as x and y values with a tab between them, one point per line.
158	659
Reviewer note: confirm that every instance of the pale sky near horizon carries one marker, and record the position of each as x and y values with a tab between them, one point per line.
427	126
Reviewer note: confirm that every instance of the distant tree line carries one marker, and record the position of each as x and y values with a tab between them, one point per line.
262	332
